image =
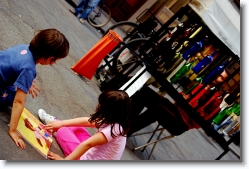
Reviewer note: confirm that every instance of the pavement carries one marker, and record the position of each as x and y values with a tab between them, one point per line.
67	95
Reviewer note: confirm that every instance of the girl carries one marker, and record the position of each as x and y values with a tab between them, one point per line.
108	143
18	71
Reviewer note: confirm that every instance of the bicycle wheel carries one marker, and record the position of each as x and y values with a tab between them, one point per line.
125	65
123	58
100	16
126	30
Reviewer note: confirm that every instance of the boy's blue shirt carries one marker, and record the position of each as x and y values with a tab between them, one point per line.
17	67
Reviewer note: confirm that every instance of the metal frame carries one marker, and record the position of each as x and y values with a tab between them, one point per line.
149	142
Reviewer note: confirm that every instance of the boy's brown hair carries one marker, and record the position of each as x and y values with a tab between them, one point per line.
49	43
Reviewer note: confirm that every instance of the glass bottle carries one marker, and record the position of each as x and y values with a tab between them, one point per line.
225	122
195	32
233	127
189	30
218	70
211	107
225	113
204	62
185	80
193	49
177	67
193	85
182	71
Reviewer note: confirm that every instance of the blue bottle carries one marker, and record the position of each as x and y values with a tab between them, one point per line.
204	62
193	49
217	70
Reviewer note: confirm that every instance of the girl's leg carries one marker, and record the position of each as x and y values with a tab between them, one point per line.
80	132
70	137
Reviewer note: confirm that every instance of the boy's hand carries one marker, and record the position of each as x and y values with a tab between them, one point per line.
33	90
53	156
17	139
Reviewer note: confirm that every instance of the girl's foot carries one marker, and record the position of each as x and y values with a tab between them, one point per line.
44	117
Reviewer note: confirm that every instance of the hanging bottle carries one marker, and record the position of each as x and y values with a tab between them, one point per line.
218	70
225	113
195	32
225	122
182	71
193	49
189	30
194	101
232	128
198	81
210	107
207	50
204	62
185	81
180	63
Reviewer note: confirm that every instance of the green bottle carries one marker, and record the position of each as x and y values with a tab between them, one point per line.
227	112
181	72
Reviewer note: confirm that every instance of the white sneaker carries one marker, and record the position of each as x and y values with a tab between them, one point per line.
44	117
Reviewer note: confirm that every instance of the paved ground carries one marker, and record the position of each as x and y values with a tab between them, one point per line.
66	95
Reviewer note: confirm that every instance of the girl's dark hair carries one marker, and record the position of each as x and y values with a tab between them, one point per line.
49	43
114	107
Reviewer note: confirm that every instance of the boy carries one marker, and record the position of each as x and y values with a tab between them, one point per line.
18	71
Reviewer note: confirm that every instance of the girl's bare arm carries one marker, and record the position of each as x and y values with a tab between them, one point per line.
97	139
81	121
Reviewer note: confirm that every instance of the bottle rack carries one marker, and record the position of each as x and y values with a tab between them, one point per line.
152	55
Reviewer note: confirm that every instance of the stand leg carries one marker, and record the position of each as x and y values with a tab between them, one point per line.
155	143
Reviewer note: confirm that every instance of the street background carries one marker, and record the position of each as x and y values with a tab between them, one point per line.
66	95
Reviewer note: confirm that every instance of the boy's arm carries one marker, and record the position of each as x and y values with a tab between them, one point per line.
17	108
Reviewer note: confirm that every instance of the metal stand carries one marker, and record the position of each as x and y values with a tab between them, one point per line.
149	142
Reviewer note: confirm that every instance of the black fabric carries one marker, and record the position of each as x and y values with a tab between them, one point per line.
158	109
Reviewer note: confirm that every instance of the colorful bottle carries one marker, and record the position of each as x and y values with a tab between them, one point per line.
193	85
177	67
185	80
180	73
218	70
195	33
193	49
204	62
225	122
225	113
233	127
210	107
